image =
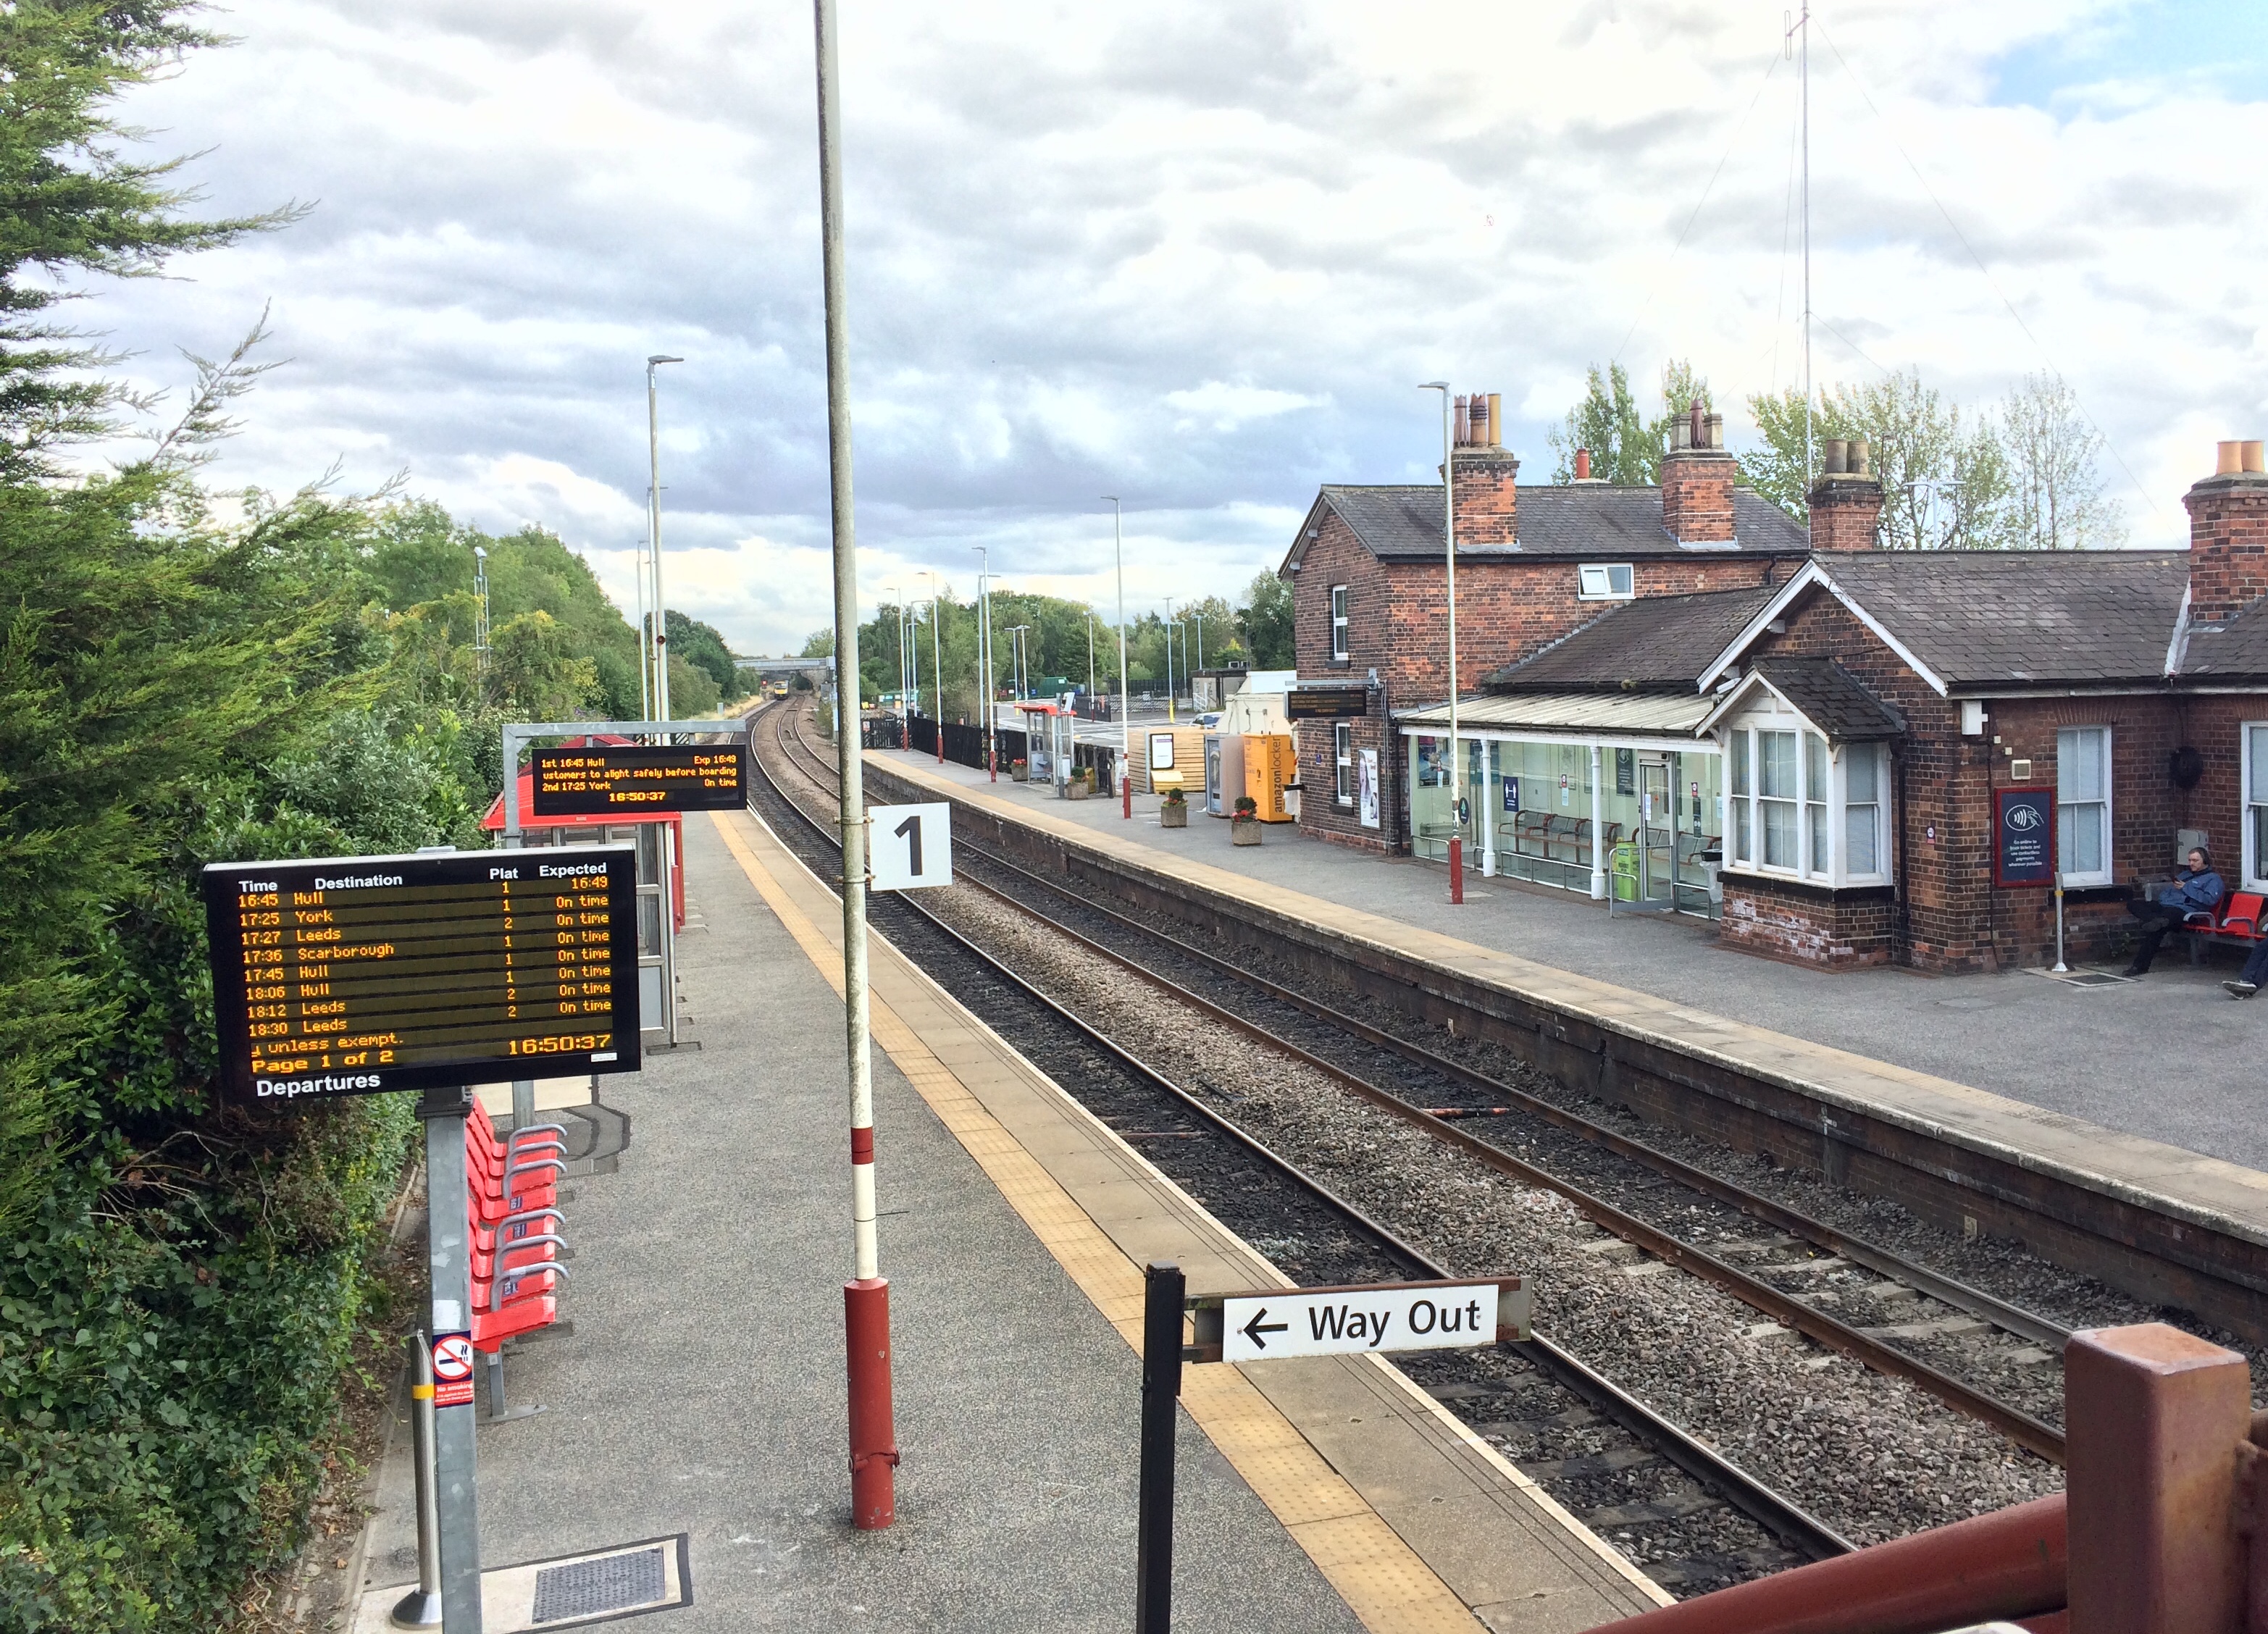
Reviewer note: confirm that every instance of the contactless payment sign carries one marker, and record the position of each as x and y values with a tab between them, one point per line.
2023	837
453	1370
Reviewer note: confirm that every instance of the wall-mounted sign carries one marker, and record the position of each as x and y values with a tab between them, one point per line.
607	778
358	975
909	847
2023	837
1512	794
1326	702
1365	783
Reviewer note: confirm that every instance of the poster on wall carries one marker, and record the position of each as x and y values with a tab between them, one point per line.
2023	837
1365	783
1512	794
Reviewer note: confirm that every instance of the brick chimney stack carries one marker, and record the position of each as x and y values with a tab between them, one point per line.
1697	481
2228	536
1846	501
1484	489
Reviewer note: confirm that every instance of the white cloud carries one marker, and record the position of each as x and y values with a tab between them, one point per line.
1193	254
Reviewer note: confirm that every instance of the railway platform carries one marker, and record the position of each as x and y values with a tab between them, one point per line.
2168	1058
699	1393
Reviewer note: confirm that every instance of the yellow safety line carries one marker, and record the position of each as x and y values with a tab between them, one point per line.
1381	1578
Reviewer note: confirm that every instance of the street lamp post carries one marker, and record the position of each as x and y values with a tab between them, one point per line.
645	641
653	531
985	655
1169	660
480	618
1450	554
1090	653
1125	713
866	1297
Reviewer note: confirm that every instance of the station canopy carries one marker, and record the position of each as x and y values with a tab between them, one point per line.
1568	714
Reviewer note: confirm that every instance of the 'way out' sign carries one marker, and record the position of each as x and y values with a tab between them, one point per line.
1381	1316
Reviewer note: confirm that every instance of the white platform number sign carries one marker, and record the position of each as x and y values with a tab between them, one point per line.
909	847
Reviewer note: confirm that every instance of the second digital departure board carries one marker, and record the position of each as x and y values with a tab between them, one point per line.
608	779
362	975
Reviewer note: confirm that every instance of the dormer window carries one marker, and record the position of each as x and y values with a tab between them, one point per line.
1604	581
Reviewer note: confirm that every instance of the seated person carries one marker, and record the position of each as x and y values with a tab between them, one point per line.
2195	889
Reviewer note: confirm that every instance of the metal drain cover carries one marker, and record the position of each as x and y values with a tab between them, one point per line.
589	1588
2090	978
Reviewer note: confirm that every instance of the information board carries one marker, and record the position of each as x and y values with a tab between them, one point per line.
1327	703
358	975
2023	837
610	779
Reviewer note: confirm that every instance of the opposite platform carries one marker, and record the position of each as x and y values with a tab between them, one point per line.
2149	1186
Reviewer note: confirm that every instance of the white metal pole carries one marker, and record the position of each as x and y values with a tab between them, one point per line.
1449	554
653	530
873	1449
1803	22
1169	660
646	649
1125	693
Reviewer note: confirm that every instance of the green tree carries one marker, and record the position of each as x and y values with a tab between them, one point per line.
2054	477
1264	621
1625	446
1944	480
700	646
71	200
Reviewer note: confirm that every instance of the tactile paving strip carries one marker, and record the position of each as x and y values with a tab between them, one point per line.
587	1589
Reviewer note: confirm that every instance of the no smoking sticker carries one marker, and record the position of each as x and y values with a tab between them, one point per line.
453	1370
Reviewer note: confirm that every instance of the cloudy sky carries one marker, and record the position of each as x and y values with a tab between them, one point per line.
1193	254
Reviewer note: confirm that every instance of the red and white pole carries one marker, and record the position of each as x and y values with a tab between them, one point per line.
866	1299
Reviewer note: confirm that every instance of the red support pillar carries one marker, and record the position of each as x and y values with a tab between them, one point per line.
1456	869
2155	1419
1126	792
873	1435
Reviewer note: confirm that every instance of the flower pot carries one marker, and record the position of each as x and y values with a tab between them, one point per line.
1174	816
1244	830
1019	773
1075	790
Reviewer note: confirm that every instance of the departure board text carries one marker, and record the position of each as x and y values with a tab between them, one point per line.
369	973
610	779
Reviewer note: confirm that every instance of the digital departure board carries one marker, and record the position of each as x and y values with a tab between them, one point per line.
626	778
361	975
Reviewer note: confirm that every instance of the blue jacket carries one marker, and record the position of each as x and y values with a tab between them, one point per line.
2197	891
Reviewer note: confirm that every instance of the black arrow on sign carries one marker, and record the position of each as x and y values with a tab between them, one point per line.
1254	1328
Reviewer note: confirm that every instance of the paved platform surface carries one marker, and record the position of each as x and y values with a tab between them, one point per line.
701	1390
2171	1057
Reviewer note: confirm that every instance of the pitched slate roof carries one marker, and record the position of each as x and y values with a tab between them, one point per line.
1595	521
2239	647
1830	698
2017	617
1658	644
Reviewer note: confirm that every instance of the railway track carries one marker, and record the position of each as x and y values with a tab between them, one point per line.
1698	1520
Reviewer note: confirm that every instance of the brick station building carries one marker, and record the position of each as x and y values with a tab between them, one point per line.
1676	702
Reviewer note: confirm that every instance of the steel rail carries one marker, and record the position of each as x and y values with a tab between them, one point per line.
1777	1513
1884	1262
2025	1430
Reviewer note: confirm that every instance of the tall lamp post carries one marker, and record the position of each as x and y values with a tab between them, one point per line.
866	1298
653	531
1125	713
481	619
937	653
1450	554
646	640
1169	660
985	655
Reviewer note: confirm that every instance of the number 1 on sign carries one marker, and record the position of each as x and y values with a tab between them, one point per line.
911	846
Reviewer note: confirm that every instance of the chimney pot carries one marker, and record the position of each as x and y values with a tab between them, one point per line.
1582	465
1681	436
1857	460
1496	419
2251	459
1838	456
1716	431
2231	461
1478	420
1699	425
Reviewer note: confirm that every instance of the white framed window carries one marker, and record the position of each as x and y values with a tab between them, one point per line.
1804	807
2253	748
2083	804
1343	755
1604	581
1339	622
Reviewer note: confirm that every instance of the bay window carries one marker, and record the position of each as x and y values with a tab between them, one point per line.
1806	807
2083	804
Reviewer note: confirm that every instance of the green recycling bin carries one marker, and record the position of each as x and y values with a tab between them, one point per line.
1626	873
